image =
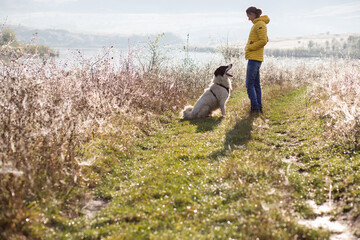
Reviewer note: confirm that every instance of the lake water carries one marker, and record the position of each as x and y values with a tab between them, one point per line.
136	56
172	56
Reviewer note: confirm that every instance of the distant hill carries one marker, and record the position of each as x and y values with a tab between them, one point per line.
345	45
303	41
56	38
11	46
321	45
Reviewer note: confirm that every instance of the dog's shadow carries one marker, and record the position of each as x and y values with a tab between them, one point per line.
237	137
205	124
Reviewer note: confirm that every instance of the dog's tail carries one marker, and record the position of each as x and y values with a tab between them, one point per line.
187	112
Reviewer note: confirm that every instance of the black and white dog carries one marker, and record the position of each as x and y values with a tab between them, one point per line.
213	98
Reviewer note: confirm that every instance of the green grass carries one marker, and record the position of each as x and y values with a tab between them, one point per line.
222	178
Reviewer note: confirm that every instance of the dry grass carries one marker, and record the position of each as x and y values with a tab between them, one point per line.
335	83
339	94
286	71
49	111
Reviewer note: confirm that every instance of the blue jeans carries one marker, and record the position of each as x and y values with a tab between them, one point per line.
253	83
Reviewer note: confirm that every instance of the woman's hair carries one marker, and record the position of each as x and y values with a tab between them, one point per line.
256	11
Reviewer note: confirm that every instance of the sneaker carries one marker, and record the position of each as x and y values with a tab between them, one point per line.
255	111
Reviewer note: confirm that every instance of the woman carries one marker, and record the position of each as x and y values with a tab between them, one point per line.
254	53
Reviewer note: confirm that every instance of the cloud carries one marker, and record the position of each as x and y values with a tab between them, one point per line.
132	23
54	1
336	10
352	17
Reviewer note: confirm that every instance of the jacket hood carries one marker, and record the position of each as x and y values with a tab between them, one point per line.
263	18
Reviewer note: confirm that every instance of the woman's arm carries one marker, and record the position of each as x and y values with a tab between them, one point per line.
261	32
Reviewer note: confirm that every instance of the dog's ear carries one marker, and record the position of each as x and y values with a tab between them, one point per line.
220	71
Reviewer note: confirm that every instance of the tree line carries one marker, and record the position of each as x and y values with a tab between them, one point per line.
8	38
350	48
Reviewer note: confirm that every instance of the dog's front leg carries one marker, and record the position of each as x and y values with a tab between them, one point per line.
222	107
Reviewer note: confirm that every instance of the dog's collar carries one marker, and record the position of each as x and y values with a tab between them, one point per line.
227	89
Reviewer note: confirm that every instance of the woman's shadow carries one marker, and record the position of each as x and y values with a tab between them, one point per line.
237	137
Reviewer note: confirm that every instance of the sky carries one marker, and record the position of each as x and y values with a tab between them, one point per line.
204	20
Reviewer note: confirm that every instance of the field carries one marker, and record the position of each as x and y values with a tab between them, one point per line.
97	150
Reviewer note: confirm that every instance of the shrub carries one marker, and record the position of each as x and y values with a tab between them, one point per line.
339	92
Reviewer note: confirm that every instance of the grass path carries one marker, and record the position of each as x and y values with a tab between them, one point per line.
239	177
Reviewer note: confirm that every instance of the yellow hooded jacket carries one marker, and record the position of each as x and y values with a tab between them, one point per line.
254	49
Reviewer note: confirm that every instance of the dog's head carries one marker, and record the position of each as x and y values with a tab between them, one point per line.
223	71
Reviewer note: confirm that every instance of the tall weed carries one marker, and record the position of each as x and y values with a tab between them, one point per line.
339	94
48	111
